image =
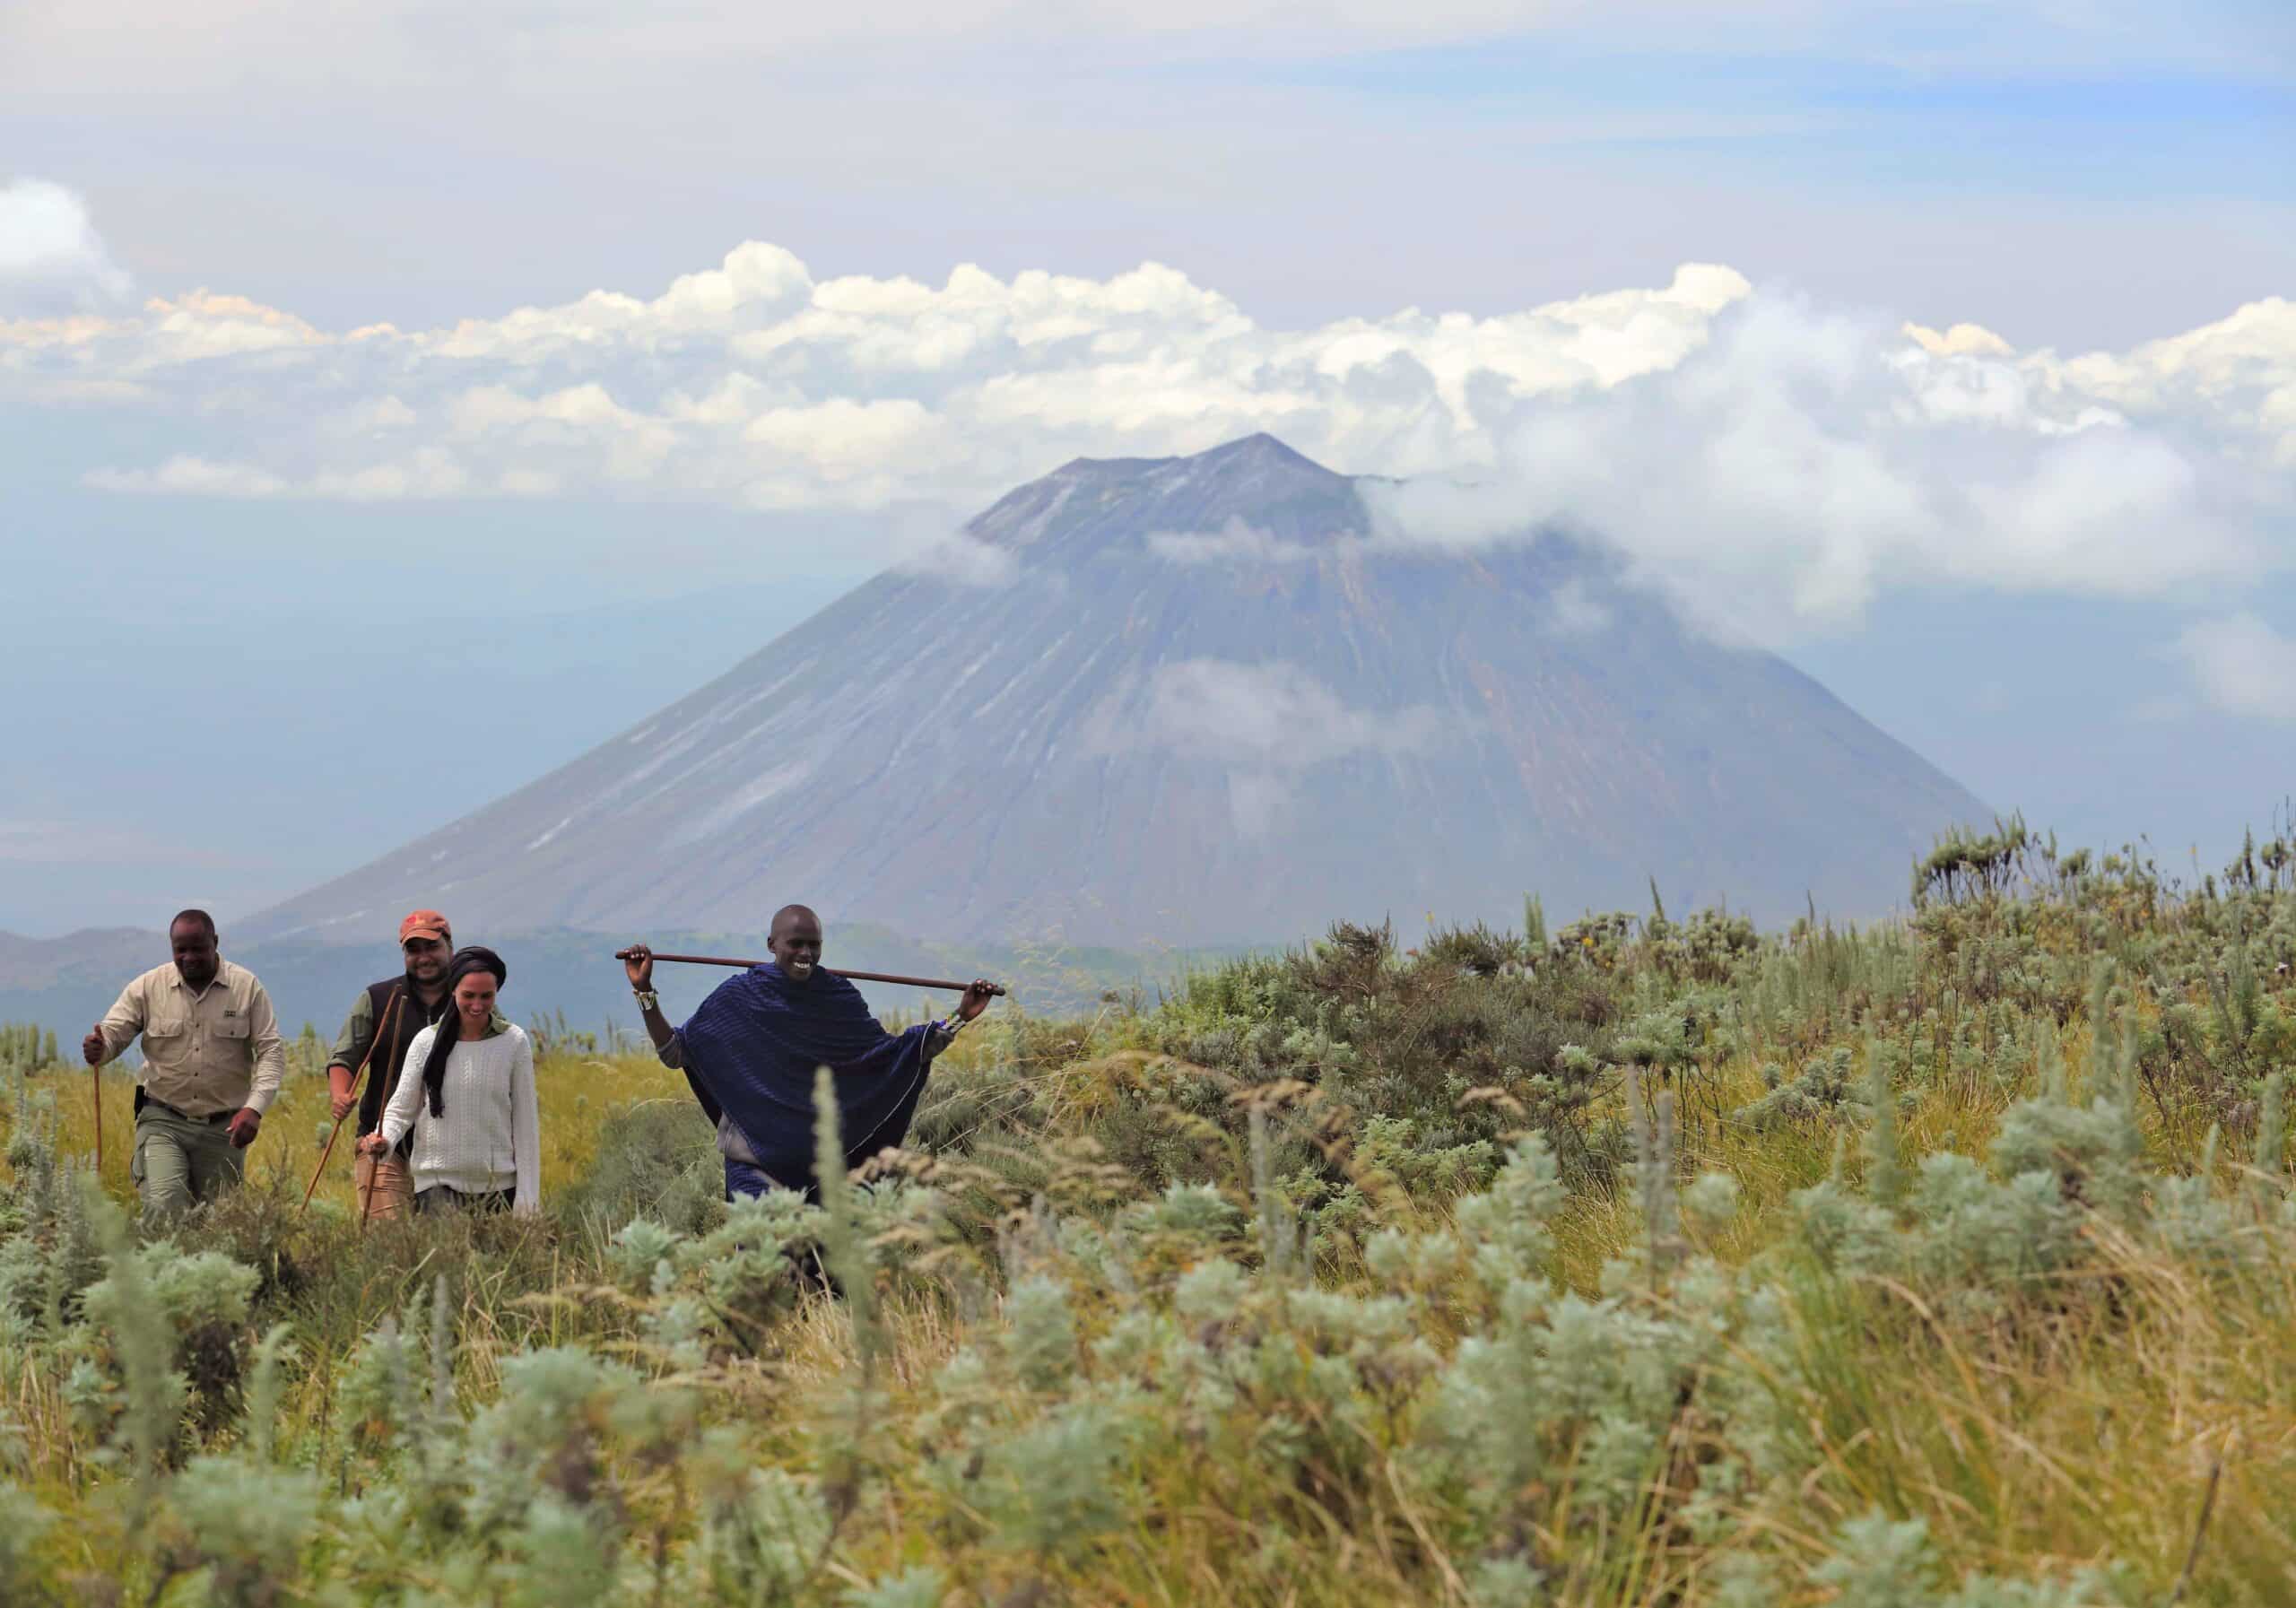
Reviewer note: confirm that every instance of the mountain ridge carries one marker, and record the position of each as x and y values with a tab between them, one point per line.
1194	712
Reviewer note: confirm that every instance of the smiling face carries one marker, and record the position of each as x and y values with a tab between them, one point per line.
426	960
196	958
796	943
474	1003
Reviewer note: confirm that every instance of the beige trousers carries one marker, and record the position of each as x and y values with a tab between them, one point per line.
177	1161
384	1186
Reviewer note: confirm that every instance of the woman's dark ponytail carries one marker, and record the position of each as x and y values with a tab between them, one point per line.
450	1031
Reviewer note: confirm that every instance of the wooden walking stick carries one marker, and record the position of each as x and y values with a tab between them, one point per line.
398	1000
865	977
96	1076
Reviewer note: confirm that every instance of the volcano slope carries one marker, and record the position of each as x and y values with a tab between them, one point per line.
1193	700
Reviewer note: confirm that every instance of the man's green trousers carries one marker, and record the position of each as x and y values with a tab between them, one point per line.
179	1160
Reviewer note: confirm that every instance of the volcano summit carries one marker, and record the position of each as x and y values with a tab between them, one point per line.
1197	700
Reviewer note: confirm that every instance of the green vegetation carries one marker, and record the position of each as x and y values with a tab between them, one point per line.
24	1047
1646	1261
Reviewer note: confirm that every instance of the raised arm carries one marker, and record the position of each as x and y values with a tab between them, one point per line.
638	967
940	1034
669	1046
525	1129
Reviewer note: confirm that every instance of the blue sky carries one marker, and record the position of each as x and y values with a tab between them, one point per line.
1968	161
2101	188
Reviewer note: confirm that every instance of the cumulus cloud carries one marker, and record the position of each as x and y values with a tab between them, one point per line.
52	261
2242	665
1771	464
754	385
1801	460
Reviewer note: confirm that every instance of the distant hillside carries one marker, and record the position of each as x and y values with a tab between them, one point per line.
1199	707
28	965
68	983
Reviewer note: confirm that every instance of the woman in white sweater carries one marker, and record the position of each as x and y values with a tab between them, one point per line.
467	1090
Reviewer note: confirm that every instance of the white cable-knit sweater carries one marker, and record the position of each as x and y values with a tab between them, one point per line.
491	1136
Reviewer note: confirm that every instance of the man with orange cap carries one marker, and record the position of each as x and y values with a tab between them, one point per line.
383	1022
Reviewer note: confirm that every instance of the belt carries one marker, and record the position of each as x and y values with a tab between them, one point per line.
143	1100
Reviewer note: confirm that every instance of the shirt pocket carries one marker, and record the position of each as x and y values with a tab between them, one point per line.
166	1033
233	1027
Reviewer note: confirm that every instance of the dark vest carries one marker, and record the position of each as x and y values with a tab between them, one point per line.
386	1059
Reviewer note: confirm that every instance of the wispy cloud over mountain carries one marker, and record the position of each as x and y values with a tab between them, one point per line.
1274	715
1233	542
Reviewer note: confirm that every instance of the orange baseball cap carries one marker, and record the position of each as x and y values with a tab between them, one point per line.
425	924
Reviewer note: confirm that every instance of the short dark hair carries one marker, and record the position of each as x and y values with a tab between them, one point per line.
792	911
205	921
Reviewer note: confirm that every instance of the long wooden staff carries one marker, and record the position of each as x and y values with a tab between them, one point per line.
398	1001
96	1076
866	977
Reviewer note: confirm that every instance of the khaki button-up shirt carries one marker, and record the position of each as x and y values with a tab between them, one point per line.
215	1050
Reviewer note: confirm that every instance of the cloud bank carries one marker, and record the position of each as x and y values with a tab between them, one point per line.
1772	465
1801	460
755	385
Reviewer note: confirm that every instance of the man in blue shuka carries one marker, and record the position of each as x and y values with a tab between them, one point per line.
751	1051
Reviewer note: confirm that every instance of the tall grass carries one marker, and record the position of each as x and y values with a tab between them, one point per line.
1644	1262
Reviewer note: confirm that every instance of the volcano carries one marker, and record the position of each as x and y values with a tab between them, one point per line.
1197	700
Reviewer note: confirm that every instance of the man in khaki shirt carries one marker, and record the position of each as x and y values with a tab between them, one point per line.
212	1063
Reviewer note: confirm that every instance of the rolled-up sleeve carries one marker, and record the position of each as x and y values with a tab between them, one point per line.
125	1019
270	1051
358	1029
673	1054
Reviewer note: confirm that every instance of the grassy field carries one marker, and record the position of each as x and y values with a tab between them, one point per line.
1645	1261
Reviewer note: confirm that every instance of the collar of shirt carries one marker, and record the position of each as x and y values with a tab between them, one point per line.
222	979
